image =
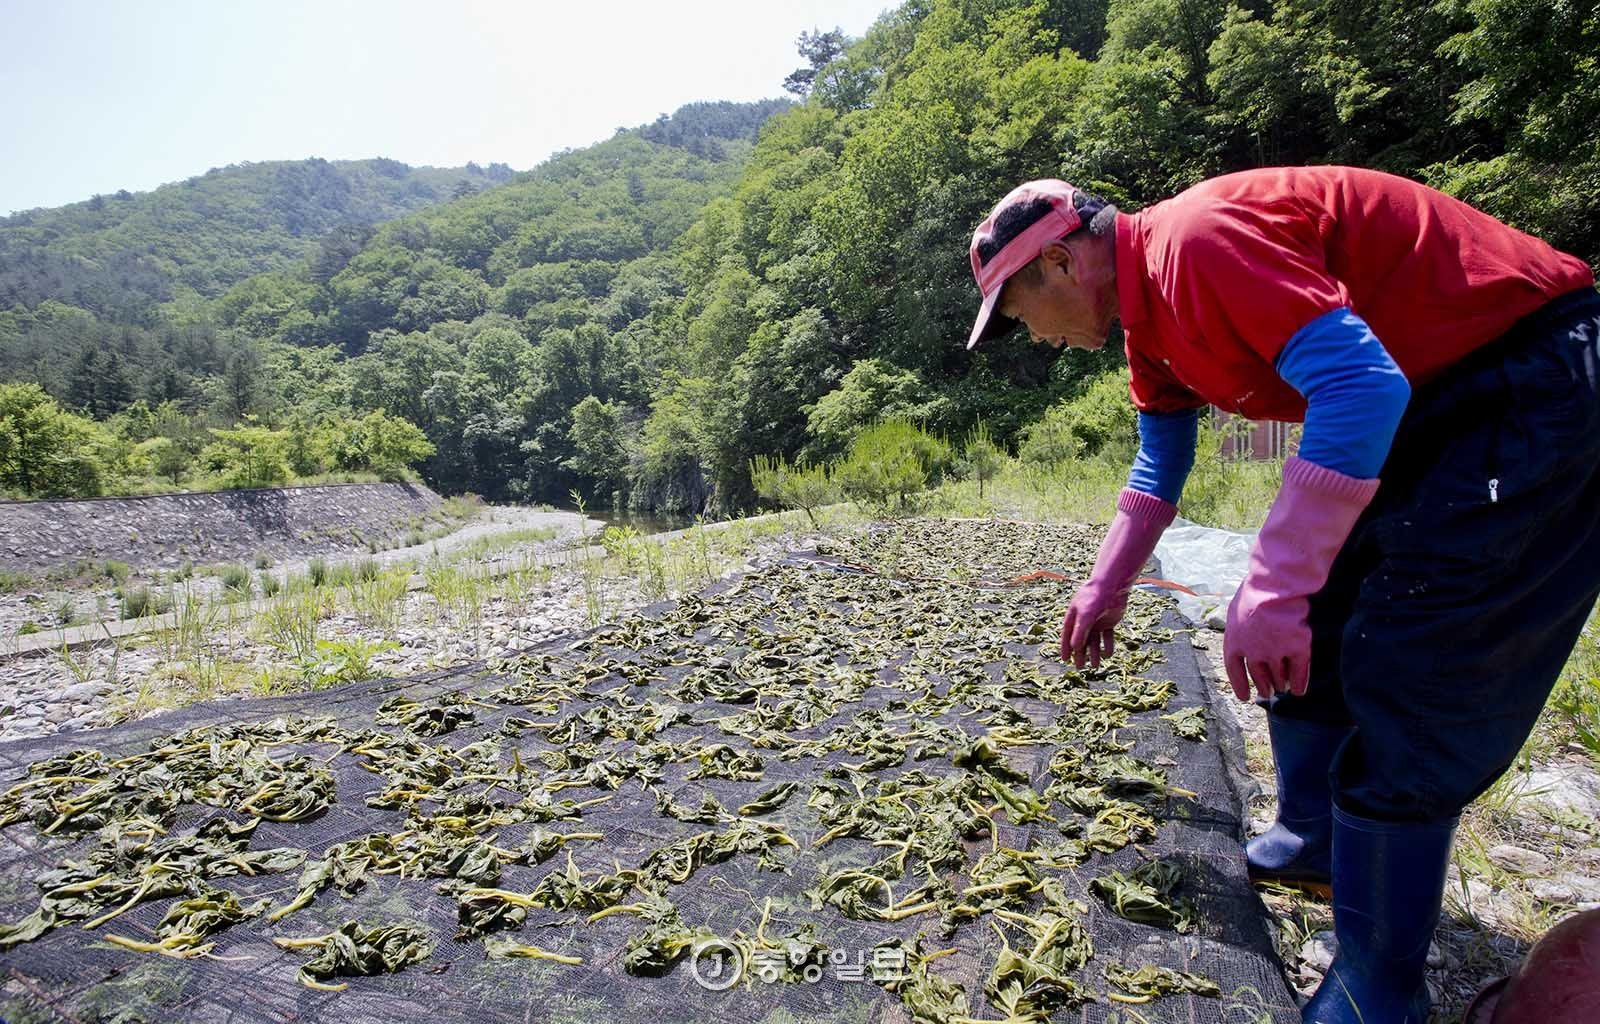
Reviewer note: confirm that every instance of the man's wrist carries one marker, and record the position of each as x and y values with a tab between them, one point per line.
1146	507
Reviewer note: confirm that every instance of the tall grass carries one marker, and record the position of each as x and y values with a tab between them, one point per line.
235	581
638	556
591	566
497	542
1576	700
186	652
458	591
289	622
1222	492
521	580
137	602
194	619
1227	492
378	602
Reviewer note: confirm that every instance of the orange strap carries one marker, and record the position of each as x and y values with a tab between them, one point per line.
1165	583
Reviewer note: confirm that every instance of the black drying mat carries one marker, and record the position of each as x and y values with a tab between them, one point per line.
73	975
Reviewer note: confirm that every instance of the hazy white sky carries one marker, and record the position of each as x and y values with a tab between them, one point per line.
105	95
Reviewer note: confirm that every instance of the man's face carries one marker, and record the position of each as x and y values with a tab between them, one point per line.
1074	304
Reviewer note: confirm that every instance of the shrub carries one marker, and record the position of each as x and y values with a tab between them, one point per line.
378	442
47	452
114	570
318	571
366	570
346	661
166	458
1228	492
270	584
1098	422
873	389
889	463
236	580
262	561
136	603
802	487
28	628
248	456
982	459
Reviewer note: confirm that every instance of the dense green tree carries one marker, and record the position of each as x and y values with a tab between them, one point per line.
167	458
1535	83
376	442
115	390
240	389
890	462
981	458
46	452
819	49
248	455
871	391
599	453
84	381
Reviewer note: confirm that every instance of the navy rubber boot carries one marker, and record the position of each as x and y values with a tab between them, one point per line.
1388	880
1297	849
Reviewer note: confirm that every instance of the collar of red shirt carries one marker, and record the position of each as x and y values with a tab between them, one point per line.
1131	305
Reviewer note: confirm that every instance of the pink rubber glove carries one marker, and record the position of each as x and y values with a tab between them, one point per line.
1267	639
1098	605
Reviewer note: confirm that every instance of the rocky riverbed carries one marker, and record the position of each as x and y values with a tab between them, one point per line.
522	595
47	605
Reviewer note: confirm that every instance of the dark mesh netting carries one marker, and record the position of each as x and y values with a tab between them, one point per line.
620	800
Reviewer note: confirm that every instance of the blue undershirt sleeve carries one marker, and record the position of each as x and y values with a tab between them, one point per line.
1355	394
1166	453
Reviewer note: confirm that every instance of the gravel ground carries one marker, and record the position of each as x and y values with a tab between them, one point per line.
46	605
106	683
240	656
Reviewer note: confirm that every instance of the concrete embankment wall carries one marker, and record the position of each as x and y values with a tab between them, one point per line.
166	530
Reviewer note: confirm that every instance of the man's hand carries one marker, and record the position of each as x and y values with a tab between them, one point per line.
1086	631
1268	640
1098	605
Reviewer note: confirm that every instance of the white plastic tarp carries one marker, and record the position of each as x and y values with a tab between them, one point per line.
1208	561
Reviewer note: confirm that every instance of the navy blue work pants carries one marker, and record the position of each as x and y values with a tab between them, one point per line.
1458	597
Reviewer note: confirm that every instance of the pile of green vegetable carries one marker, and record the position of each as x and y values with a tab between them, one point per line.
904	747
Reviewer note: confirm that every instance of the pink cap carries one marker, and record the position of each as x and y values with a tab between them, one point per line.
1031	216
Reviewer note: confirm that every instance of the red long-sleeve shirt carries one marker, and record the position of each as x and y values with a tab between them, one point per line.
1214	281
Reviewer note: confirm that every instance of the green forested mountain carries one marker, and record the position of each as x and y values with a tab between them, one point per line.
431	316
488	321
643	317
121	256
115	288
